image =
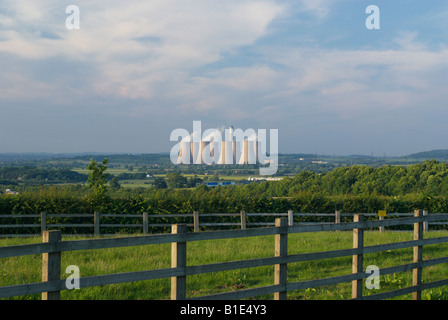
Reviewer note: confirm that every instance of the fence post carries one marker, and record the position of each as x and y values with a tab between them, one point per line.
281	250
418	257
243	220
357	264
43	222
96	222
51	264
381	218
337	217
425	223
179	260
290	218
145	222
196	221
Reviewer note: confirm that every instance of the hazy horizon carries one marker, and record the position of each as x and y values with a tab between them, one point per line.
167	153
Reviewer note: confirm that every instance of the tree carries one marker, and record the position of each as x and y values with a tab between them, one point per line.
114	184
97	177
175	180
193	181
159	183
215	177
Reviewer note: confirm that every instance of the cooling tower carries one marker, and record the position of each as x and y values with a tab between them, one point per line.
222	156
202	147
196	152
228	152
212	145
257	145
235	150
194	146
208	153
252	152
230	147
184	153
244	152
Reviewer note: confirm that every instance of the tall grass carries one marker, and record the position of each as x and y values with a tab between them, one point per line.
27	269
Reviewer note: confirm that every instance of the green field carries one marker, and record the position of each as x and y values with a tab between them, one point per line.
139	183
27	269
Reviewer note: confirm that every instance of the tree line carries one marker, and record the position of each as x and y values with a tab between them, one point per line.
348	189
429	178
10	175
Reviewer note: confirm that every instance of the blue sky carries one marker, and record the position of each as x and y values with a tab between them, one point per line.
137	70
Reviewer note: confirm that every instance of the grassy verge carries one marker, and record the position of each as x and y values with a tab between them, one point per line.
27	269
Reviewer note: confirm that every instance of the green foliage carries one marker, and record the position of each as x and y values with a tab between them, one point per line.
131	176
349	190
175	180
429	178
97	177
160	183
114	184
435	294
97	183
9	175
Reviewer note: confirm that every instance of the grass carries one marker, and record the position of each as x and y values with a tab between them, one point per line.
27	269
145	183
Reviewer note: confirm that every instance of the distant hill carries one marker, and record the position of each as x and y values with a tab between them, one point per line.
30	156
38	174
150	158
441	154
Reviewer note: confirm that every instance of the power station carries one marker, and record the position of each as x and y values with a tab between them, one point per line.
240	149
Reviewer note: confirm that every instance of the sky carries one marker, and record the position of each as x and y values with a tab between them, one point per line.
136	70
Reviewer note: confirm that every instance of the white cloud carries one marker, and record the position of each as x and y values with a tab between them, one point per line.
186	58
255	78
134	47
320	8
407	41
346	83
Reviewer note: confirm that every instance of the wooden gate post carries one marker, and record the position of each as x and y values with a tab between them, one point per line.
196	221
43	222
357	264
281	250
418	257
243	220
51	264
179	260
96	223
290	218
425	224
381	218
337	217
145	222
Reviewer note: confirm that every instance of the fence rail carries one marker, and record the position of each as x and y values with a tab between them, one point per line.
52	248
191	220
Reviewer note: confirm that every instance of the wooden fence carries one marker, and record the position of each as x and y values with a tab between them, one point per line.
193	220
52	249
